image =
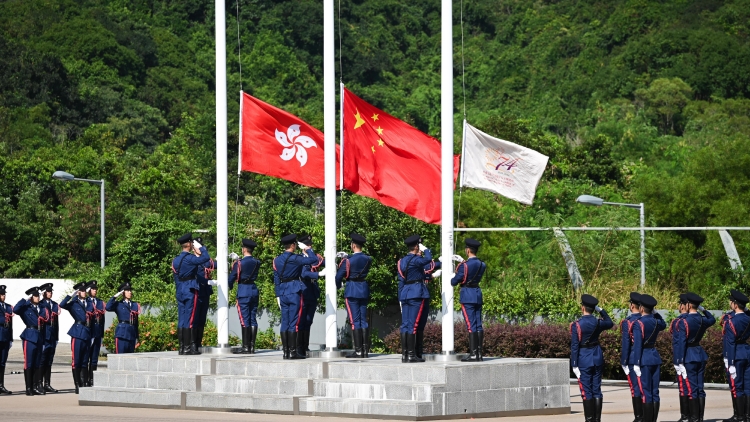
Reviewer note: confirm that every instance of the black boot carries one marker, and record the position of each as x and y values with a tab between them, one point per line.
199	339
648	412
735	415
253	336
193	345
473	340
419	347
684	409
181	341
302	337
357	339
480	343
84	382
76	379
2	381
656	405
702	406
598	404
47	375
366	343
92	369
638	409
746	406
404	348
411	341
38	388
28	377
589	410
245	341
284	347
294	336
694	410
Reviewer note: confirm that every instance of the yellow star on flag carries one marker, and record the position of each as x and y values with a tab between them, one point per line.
373	150
380	142
379	130
360	120
374	117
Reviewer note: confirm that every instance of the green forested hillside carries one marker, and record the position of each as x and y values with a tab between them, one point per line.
634	101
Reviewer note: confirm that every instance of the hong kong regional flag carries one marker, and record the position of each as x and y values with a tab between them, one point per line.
279	144
388	160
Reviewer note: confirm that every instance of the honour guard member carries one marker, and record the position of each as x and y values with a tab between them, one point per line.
353	270
244	273
185	269
736	331
80	331
310	276
33	315
127	311
287	274
6	336
690	355
411	294
469	274
626	326
51	334
431	272
586	355
96	309
205	281
645	358
674	328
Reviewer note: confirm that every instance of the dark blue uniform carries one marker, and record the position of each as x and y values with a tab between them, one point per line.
126	333
644	354
205	273
96	310
412	289
33	336
690	353
244	273
674	328
311	294
80	331
736	332
51	331
353	270
428	270
6	332
625	348
287	278
586	354
185	269
468	275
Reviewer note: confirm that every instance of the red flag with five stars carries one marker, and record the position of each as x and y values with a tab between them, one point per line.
390	161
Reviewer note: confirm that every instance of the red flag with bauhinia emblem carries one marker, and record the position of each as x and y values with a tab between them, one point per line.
279	144
388	160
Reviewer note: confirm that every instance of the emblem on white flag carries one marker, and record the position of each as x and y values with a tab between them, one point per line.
500	166
294	144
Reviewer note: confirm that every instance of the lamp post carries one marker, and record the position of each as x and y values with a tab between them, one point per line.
67	177
598	202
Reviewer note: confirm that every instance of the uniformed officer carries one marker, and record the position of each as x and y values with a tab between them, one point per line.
736	331
51	334
431	272
586	355
96	309
80	331
206	283
626	346
353	270
411	292
244	273
287	274
127	311
6	336
33	315
645	358
674	329
469	274
310	276
185	269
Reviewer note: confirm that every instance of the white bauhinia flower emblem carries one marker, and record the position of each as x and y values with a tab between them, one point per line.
294	144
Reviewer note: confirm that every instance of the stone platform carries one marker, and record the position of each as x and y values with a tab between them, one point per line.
378	387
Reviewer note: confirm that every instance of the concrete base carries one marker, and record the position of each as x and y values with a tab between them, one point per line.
378	387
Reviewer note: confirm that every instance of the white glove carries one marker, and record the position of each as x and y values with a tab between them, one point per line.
321	273
637	370
684	371
278	300
577	372
233	256
301	245
626	370
422	247
677	370
701	308
598	309
437	273
341	254
401	306
213	282
726	363
197	244
118	294
457	258
733	372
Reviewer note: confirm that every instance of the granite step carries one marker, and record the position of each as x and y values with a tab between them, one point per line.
271	367
125	397
375	390
154	380
167	362
325	406
234	384
228	402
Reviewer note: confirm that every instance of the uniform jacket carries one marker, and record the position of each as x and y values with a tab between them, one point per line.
204	274
310	278
411	275
674	328
6	322
627	339
246	271
353	270
52	327
96	311
127	317
287	271
32	318
428	270
689	335
80	329
468	275
644	333
585	351
185	268
736	332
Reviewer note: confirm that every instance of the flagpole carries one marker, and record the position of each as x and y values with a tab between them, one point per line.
341	139
446	165
222	237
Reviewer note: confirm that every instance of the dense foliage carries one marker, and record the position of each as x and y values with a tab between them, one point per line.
634	101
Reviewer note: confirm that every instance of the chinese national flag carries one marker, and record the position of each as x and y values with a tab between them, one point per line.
279	144
388	160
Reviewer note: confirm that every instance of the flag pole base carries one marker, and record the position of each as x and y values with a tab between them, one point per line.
445	357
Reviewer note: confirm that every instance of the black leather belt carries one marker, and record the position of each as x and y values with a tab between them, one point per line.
85	324
412	281
33	327
186	279
246	282
649	347
356	279
590	345
696	344
287	280
470	285
125	322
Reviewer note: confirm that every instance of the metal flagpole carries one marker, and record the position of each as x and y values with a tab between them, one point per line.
446	163
222	230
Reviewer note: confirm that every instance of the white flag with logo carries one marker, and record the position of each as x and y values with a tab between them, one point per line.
500	166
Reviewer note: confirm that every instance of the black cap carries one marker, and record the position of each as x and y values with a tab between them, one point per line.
34	291
683	298
92	285
589	301
648	301
46	287
635	297
2	289
357	238
412	240
472	243
125	286
185	238
693	298
80	286
738	297
289	239
247	243
306	239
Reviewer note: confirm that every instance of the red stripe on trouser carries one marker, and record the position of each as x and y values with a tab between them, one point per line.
25	360
242	320
690	390
73	352
583	393
734	387
299	316
679	383
117	346
195	305
630	383
351	316
466	317
419	315
643	393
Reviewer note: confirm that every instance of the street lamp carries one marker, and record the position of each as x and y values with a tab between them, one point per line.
598	202
67	177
